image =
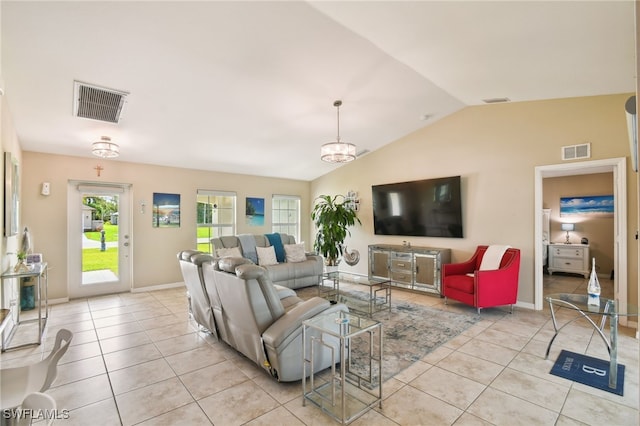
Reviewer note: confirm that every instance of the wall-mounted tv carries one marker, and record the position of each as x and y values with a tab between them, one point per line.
422	208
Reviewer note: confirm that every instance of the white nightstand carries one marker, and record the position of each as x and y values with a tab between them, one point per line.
571	258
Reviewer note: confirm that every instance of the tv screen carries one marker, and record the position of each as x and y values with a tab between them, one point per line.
423	208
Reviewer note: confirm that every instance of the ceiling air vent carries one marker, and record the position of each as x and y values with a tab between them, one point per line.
98	103
574	152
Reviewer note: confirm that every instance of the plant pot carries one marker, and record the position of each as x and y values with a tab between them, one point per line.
332	262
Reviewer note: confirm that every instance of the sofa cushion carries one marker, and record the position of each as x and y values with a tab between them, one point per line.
295	253
266	256
229	252
461	283
276	241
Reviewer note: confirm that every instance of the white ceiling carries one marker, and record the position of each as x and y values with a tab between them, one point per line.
248	87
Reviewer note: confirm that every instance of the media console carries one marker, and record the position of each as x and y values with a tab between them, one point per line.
415	268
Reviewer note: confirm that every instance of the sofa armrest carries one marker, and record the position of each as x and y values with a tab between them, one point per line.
280	330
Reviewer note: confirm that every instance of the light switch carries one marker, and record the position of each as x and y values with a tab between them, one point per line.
46	188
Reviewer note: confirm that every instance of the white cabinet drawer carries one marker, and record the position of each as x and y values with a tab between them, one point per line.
568	264
569	252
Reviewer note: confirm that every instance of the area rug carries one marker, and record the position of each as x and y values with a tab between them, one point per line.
411	331
587	370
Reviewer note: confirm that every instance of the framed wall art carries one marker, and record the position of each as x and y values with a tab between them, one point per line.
166	210
254	212
593	205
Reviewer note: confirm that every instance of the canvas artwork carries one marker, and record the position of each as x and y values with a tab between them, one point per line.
596	205
166	210
255	211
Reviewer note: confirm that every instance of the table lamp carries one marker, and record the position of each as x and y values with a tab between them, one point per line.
568	227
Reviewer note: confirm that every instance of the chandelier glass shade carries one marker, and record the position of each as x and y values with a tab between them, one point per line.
104	148
338	152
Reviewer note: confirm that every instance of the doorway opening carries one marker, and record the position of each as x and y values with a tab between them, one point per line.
99	238
617	166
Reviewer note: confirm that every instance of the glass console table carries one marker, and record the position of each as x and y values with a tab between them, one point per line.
608	308
38	271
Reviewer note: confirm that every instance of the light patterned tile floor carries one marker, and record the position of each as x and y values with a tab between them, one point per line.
138	359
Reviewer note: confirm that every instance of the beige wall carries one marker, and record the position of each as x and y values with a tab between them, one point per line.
154	249
599	230
495	148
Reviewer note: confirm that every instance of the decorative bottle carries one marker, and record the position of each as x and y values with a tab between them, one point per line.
593	289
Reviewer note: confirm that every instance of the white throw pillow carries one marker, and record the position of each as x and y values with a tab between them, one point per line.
266	256
295	253
229	252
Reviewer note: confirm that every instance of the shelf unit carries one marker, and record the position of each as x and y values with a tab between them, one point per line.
414	268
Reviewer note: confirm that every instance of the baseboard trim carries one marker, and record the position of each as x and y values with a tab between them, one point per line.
157	287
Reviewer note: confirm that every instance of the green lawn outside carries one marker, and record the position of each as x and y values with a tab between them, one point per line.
110	233
96	260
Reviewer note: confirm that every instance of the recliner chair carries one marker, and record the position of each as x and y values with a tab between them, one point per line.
199	304
468	283
257	323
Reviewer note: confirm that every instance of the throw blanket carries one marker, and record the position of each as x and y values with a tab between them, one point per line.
276	241
248	243
492	257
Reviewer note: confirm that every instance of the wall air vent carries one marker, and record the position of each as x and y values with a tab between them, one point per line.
575	152
98	103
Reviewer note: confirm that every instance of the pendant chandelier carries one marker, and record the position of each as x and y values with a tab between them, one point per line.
338	152
104	148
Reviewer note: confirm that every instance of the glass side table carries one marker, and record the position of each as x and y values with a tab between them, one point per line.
330	276
38	271
355	343
608	308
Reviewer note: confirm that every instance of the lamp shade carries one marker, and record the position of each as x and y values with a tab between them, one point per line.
568	226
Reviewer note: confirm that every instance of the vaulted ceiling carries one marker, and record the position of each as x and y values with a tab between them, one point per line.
248	87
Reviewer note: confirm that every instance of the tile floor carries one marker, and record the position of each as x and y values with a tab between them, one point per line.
138	359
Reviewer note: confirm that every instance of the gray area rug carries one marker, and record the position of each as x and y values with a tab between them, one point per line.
410	331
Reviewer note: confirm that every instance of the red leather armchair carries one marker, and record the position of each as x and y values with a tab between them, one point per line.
466	283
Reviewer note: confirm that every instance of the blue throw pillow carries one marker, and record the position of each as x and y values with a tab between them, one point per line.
276	241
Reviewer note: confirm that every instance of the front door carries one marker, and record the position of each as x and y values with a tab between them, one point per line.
99	238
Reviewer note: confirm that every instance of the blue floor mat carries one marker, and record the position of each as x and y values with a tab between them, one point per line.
587	370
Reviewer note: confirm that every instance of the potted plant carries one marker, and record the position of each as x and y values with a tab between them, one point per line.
332	219
21	266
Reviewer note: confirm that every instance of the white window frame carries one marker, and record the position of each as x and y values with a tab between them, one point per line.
223	229
274	216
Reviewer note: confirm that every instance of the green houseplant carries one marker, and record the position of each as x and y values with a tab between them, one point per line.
332	219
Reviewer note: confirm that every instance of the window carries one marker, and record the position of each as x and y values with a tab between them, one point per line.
285	215
216	212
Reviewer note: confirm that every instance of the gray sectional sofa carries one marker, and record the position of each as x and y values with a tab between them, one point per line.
289	274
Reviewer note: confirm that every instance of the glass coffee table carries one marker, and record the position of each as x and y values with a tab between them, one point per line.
608	308
378	299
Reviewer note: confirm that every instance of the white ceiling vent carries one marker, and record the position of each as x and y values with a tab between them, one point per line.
575	152
97	103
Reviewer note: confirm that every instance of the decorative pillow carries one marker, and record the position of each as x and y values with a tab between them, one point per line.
229	252
295	253
276	241
266	256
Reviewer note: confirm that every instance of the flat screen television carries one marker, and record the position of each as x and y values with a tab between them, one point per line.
422	208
